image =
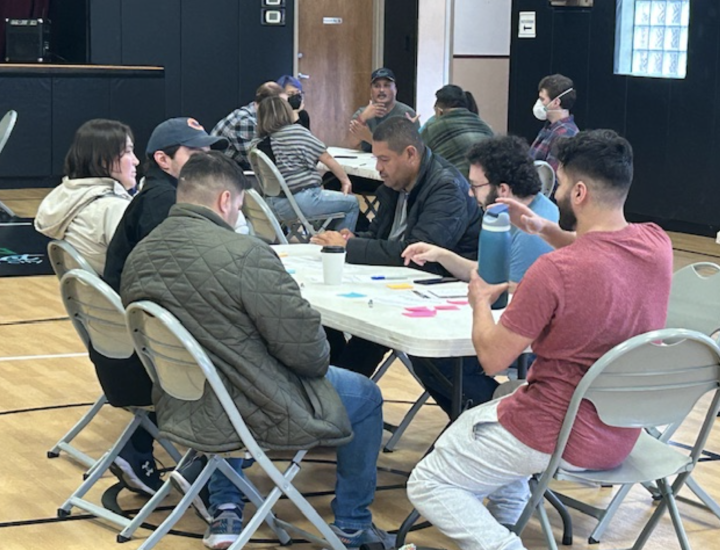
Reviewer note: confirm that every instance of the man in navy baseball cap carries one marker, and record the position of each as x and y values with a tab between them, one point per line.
170	146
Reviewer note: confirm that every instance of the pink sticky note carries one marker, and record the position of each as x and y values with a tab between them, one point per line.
419	308
428	313
448	307
458	302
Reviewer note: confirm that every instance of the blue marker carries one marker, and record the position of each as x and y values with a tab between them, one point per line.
384	278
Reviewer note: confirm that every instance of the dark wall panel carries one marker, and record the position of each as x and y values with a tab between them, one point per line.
28	151
105	32
265	52
151	36
673	125
210	68
141	101
400	39
93	94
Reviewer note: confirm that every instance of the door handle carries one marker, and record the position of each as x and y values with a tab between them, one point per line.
303	76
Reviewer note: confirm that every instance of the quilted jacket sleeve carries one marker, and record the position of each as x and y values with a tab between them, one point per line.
290	327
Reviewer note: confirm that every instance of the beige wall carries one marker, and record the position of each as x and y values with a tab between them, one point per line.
488	80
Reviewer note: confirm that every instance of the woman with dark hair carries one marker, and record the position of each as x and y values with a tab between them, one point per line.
296	152
86	207
296	99
455	127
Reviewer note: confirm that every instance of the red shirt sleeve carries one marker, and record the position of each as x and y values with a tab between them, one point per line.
536	300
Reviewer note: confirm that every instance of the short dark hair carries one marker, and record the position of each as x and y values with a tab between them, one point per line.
399	133
598	155
97	145
207	173
150	161
268	89
451	96
506	159
554	85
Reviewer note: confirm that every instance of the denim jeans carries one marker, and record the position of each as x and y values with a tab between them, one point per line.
317	202
356	461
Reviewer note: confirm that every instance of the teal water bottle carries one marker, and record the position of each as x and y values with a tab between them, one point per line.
494	250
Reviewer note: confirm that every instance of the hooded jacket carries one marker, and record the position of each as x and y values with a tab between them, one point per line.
85	213
232	293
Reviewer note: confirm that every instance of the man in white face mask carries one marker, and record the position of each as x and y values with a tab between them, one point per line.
556	96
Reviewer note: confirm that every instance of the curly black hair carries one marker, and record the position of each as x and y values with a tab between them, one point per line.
600	155
506	159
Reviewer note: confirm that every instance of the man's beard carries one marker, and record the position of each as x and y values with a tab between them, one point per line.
568	220
491	197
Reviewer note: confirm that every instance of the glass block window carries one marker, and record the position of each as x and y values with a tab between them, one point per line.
652	38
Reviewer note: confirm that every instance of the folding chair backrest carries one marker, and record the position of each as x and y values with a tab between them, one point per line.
97	313
64	257
264	224
176	361
547	177
269	177
6	127
695	298
651	380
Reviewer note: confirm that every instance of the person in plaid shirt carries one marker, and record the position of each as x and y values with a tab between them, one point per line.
239	126
556	96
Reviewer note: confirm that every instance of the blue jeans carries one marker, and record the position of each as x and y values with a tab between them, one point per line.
356	461
318	202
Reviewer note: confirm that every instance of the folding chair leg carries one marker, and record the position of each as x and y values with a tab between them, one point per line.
399	430
667	502
179	509
607	515
556	503
76	499
705	498
253	495
64	443
546	527
127	533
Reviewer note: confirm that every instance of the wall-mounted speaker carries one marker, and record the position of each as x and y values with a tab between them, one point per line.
27	40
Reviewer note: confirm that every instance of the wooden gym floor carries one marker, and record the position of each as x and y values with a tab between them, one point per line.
48	383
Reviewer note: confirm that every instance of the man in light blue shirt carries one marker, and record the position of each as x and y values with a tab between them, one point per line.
500	167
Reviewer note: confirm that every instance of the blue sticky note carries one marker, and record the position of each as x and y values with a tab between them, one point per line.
290	271
352	295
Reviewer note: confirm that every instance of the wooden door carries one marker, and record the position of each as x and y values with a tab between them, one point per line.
335	46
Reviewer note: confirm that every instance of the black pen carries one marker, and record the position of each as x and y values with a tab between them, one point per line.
421	294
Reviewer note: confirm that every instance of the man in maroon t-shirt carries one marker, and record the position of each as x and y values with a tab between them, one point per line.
607	281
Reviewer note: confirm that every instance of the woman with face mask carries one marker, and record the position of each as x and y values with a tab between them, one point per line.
556	96
296	99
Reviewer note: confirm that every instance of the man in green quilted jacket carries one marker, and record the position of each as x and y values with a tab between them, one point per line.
234	295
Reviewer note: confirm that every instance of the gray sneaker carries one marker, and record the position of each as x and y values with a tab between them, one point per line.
224	529
354	539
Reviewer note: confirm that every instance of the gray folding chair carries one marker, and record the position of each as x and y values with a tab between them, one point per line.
654	379
263	223
547	177
6	127
64	257
177	363
399	430
99	318
273	185
694	305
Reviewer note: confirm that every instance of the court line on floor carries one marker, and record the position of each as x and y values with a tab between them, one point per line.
52	356
31	321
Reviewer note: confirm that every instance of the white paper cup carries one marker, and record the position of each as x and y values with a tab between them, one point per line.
333	260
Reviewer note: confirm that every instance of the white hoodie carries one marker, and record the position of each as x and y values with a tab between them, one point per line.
85	212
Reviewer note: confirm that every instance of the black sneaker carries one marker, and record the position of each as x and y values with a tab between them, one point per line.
183	478
137	471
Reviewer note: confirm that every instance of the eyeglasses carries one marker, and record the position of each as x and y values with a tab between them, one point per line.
480	186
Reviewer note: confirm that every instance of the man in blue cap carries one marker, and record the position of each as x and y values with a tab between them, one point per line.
170	146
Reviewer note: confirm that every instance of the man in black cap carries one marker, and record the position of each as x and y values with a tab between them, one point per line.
170	146
382	106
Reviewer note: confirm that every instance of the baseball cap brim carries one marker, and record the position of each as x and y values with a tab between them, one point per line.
216	143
